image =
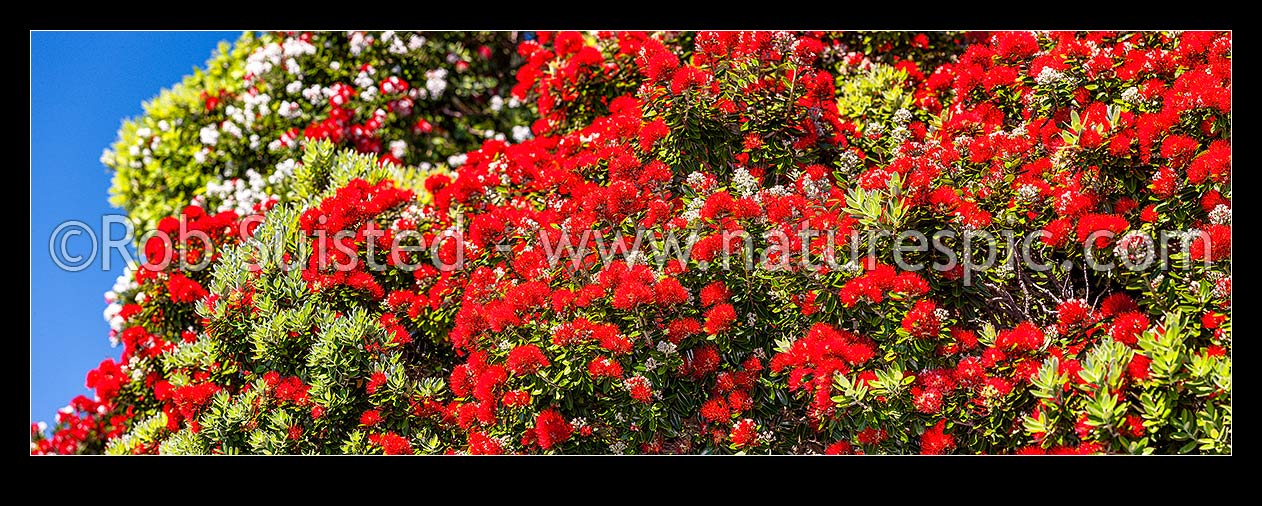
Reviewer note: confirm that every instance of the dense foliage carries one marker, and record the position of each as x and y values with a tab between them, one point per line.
229	135
666	335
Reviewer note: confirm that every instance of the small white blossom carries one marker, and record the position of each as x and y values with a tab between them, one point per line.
359	42
902	116
232	128
283	171
209	135
745	183
1028	193
1135	248
313	94
436	82
1051	76
398	148
1221	215
521	134
666	347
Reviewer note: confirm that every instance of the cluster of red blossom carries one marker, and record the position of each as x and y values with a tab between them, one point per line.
625	356
154	325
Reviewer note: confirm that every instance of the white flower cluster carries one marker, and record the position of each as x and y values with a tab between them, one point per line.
744	183
815	189
1028	193
497	103
1222	288
777	190
436	83
457	160
618	448
961	144
359	42
125	283
902	116
264	59
1050	76
396	45
315	93
1132	96
209	135
365	81
241	196
899	135
284	170
231	128
253	105
692	211
289	110
143	149
521	133
1221	215
414	214
1136	248
398	148
783	41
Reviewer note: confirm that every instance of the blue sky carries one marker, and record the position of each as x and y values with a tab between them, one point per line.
83	84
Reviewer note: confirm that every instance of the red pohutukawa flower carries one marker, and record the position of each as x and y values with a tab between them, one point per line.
480	444
719	318
923	320
370	418
839	448
744	433
604	367
391	443
716	410
1128	326
1072	314
1212	244
526	359
551	429
375	382
640	388
935	441
184	289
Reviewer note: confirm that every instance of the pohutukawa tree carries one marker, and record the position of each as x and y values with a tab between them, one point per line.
757	242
